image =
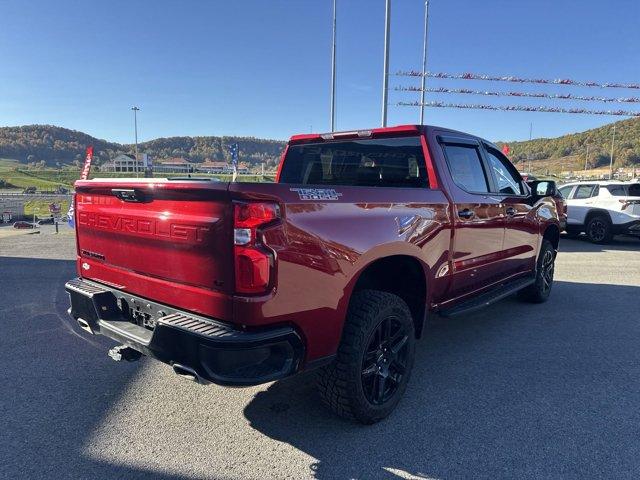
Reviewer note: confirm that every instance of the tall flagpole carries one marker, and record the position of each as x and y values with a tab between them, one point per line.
135	126
385	78
333	71
424	60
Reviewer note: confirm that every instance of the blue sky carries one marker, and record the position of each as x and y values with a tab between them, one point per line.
262	67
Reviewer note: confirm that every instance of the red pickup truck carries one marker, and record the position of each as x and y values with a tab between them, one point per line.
335	266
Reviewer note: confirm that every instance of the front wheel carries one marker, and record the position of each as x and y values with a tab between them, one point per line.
539	291
374	360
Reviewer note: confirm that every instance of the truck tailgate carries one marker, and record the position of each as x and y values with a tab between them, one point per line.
170	241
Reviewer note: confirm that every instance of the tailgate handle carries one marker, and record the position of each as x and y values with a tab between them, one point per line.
128	194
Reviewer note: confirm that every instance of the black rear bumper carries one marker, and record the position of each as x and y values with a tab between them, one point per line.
214	351
629	228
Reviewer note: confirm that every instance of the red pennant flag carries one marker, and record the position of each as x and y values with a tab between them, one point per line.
506	149
87	163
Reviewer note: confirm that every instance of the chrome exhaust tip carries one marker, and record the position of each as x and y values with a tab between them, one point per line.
84	325
187	373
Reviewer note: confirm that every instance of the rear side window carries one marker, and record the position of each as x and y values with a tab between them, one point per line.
618	190
466	168
584	191
632	190
390	162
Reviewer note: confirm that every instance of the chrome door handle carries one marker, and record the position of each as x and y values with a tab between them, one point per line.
466	213
510	211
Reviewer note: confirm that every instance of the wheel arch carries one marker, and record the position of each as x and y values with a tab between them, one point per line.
594	212
401	275
552	233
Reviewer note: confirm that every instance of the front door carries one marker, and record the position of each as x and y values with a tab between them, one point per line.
521	234
478	217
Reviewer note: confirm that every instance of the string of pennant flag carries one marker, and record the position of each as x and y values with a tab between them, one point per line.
520	108
553	96
514	79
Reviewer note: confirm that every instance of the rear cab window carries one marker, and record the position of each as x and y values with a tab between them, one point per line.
383	162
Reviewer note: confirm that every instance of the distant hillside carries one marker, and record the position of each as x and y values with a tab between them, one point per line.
627	145
197	149
51	145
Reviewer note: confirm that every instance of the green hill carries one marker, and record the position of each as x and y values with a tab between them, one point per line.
48	145
627	145
51	146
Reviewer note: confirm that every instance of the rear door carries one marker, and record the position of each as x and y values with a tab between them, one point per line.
521	233
478	216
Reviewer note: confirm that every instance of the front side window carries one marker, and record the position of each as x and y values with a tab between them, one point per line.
466	169
565	191
507	182
387	162
583	191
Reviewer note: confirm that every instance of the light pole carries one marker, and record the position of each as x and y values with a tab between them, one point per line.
385	78
333	71
424	60
613	141
135	126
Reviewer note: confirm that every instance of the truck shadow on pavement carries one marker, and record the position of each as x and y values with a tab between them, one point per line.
512	391
53	396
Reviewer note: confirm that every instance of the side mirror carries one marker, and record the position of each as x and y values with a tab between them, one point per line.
542	188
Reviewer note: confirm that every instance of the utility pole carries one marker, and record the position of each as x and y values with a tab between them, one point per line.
586	158
135	126
333	72
530	132
385	78
424	61
613	141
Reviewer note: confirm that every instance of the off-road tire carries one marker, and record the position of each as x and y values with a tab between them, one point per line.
599	229
539	291
342	383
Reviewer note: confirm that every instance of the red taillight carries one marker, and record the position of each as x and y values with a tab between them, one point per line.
252	259
249	215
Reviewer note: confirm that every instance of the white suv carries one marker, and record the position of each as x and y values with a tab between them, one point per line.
602	209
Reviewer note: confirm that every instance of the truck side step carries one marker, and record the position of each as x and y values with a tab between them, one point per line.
498	293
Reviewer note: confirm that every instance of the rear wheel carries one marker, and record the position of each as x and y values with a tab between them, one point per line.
599	229
539	291
374	361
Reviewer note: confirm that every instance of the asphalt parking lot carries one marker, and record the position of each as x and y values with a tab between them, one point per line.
514	391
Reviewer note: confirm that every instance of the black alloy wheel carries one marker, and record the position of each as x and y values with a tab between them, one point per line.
385	360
